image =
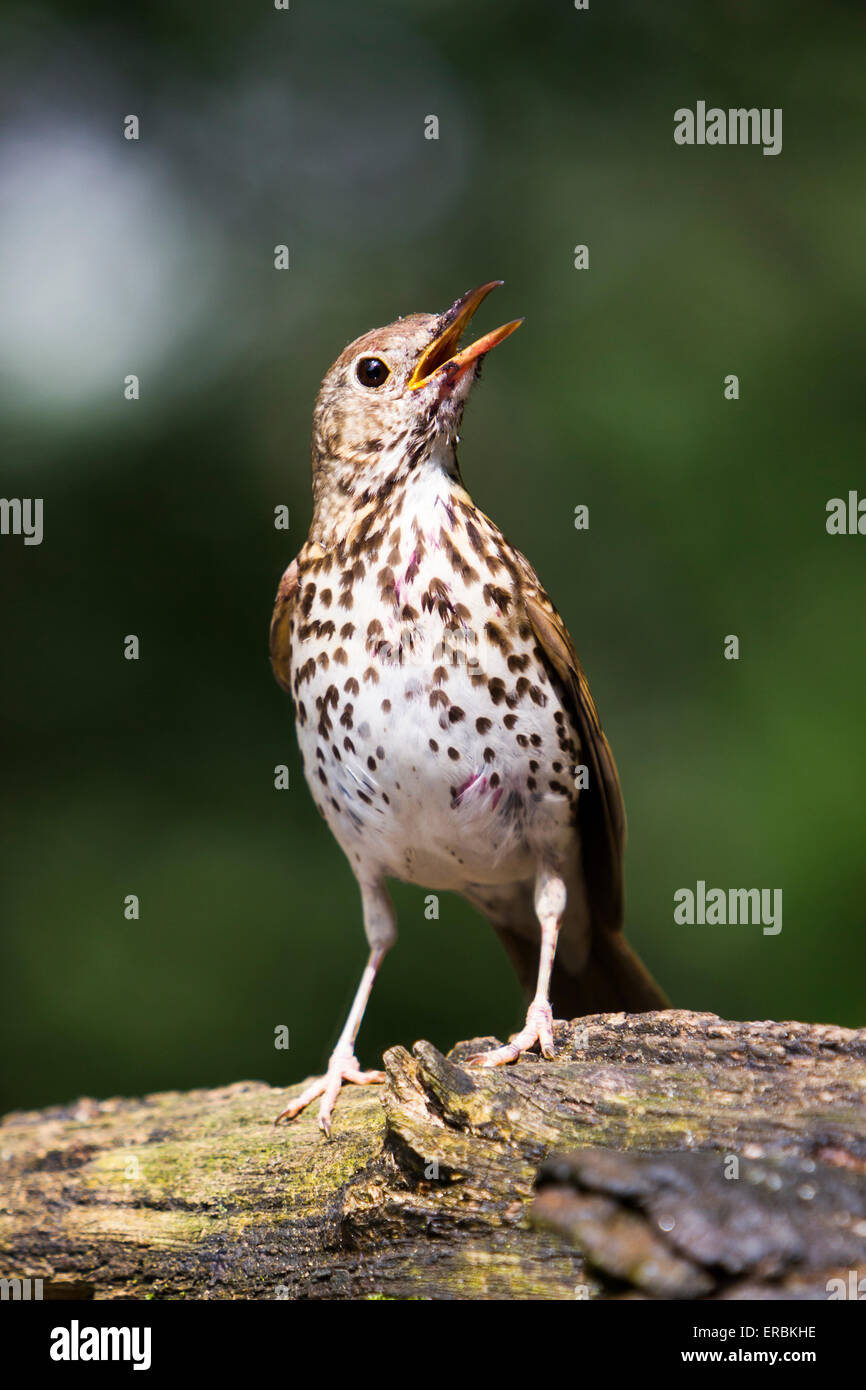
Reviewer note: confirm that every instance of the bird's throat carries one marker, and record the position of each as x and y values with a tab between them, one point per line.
373	488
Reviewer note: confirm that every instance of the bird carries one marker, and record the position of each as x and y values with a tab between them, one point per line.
445	725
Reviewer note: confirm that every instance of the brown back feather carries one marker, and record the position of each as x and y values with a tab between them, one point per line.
600	810
281	647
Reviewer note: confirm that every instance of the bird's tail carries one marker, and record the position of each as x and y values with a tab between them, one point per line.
613	979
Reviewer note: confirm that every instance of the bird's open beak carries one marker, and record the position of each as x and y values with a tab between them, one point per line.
442	355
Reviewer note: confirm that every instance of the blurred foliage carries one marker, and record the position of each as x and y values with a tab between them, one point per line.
707	516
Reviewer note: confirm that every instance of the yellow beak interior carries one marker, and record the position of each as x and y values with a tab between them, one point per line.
443	352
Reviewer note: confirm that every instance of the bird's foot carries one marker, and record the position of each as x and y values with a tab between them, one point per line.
537	1029
343	1066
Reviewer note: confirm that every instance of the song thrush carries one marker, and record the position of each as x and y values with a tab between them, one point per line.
446	728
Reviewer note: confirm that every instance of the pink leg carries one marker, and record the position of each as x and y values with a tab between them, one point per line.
343	1065
550	897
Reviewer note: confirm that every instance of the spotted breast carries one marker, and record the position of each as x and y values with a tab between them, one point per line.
431	734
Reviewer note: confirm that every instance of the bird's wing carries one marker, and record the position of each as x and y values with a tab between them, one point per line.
611	976
600	810
281	646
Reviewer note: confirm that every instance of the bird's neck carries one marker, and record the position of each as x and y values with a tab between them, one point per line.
368	495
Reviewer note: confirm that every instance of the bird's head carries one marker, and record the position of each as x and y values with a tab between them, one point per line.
394	398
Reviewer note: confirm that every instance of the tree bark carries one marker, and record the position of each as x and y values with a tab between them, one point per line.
667	1155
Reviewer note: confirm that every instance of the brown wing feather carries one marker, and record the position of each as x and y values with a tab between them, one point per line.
612	976
281	646
600	810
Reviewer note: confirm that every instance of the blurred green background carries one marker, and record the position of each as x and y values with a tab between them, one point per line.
706	516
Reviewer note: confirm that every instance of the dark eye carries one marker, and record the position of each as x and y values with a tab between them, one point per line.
372	372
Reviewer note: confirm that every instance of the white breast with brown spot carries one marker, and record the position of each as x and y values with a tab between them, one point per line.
429	755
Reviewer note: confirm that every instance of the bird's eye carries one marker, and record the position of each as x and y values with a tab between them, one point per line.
372	372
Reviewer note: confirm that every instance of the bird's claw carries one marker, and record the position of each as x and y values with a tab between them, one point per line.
538	1028
343	1066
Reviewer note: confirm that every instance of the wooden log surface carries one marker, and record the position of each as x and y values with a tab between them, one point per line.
663	1155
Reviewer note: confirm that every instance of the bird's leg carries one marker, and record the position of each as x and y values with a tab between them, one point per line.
380	926
343	1065
550	898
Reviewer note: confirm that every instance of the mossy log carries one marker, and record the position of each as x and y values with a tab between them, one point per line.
669	1154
